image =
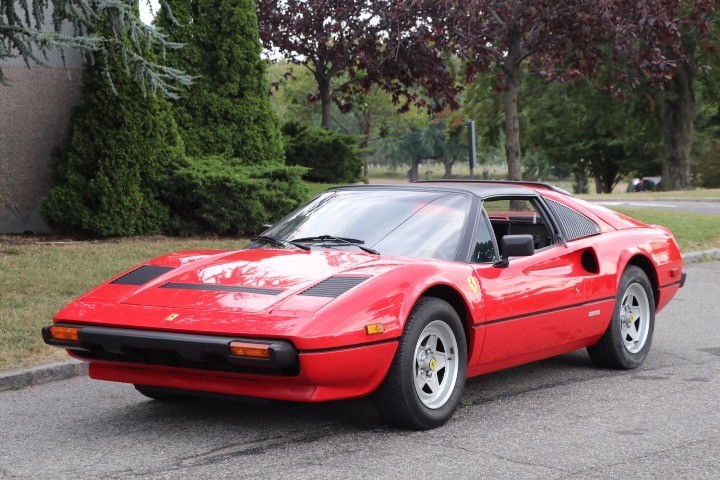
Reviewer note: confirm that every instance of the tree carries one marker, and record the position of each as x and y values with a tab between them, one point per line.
676	98
31	30
349	46
110	168
564	39
226	111
583	129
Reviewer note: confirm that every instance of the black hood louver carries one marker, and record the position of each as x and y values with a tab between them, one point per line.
213	287
333	287
141	275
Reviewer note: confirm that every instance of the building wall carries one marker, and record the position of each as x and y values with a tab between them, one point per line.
35	108
34	112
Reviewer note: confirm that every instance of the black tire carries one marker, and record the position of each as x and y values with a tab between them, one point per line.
397	399
160	394
611	351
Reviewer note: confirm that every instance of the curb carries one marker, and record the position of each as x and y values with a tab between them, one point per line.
49	372
53	372
704	256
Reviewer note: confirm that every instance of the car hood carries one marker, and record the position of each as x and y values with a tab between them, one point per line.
248	280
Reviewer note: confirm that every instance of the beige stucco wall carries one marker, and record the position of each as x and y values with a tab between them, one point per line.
34	112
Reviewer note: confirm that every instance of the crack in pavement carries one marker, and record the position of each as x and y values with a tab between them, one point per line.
503	458
655	453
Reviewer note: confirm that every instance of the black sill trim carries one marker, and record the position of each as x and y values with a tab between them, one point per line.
348	347
542	312
222	288
680	282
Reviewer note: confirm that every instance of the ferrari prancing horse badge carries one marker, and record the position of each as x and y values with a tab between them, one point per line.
473	284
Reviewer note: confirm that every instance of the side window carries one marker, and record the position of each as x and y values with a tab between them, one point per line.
518	216
484	249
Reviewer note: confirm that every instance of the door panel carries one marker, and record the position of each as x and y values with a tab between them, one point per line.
531	305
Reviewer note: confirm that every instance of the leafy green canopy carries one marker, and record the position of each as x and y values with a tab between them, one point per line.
226	111
32	30
120	146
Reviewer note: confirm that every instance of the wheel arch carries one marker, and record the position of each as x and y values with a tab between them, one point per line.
646	265
459	304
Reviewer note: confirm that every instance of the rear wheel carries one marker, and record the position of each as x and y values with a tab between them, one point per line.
627	340
160	394
425	382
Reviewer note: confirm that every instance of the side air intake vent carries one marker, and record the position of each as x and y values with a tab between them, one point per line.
576	224
333	287
141	275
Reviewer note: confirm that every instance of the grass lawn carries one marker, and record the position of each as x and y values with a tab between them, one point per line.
693	231
36	280
711	194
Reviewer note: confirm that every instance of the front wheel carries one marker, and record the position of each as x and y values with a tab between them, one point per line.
627	340
425	382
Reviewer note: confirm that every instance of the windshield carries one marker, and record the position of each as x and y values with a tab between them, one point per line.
393	222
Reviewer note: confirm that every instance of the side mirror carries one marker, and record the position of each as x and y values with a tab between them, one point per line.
515	246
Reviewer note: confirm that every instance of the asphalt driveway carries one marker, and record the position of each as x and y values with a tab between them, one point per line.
560	418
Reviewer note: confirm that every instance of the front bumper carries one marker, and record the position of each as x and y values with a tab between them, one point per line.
311	376
183	350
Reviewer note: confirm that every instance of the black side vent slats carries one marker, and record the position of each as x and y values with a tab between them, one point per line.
576	224
141	275
333	287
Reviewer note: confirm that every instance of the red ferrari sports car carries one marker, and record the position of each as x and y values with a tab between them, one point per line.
396	291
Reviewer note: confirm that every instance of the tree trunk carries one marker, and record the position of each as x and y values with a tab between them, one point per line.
449	162
580	182
677	112
365	123
325	102
413	172
512	122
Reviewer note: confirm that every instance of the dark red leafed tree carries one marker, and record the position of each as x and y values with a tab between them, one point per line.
638	42
350	45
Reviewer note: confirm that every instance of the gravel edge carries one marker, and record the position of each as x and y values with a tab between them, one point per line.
53	372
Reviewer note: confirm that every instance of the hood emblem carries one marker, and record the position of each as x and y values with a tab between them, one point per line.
171	317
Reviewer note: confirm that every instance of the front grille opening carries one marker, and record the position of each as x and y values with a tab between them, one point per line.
171	358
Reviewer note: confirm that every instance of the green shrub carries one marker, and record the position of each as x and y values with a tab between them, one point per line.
226	111
213	195
121	144
331	157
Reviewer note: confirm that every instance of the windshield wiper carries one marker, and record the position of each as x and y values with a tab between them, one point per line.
277	241
342	240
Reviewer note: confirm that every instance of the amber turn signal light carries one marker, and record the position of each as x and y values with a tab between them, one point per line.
374	329
67	334
253	350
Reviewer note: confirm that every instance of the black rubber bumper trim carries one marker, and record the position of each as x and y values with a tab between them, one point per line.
191	347
682	279
349	347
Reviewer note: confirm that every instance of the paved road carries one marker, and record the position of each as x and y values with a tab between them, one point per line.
561	418
676	205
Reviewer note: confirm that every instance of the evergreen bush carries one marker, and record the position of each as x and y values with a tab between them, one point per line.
226	111
212	195
121	145
331	157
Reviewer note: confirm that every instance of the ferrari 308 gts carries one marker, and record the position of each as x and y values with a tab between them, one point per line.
396	291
